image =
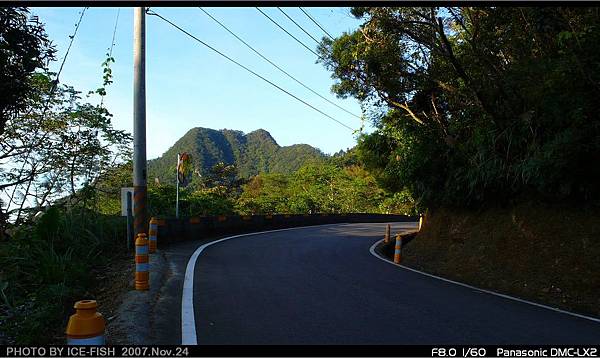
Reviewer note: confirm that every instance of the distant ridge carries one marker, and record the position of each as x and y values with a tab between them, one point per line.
252	153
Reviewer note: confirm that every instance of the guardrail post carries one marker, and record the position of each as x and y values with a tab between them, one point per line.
398	249
386	238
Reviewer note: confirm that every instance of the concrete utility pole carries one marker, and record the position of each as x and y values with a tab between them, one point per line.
139	122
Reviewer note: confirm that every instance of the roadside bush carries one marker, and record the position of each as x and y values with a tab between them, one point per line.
47	265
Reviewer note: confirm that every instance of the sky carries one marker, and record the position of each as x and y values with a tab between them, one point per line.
188	85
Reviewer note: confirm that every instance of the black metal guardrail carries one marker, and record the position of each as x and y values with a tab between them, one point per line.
199	227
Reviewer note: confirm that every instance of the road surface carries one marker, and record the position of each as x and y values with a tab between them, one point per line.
321	285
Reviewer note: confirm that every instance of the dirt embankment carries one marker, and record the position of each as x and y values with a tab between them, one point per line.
546	254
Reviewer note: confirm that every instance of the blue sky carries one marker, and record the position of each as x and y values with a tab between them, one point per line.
188	85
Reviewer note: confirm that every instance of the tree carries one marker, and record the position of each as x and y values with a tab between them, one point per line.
57	147
475	104
265	194
24	49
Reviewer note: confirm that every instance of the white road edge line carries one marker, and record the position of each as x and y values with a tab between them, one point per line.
188	320
372	250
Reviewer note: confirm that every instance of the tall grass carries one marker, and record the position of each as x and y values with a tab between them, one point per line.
48	264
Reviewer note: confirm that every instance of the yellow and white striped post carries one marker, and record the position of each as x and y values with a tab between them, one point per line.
420	221
153	233
386	238
86	326
142	263
398	249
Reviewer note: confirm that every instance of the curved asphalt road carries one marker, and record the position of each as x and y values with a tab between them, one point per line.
321	285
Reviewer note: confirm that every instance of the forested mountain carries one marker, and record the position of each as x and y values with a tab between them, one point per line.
252	153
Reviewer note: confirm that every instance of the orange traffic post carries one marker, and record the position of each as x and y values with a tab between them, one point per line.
153	233
142	263
386	238
86	326
398	249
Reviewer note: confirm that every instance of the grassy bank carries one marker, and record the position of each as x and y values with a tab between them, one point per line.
47	265
543	253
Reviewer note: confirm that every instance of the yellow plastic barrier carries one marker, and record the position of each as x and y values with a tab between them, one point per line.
86	326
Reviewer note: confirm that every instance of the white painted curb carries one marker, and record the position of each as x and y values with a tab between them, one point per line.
372	250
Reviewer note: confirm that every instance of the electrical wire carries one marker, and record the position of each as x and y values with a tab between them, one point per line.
300	27
153	13
287	32
72	37
275	65
316	23
114	32
112	45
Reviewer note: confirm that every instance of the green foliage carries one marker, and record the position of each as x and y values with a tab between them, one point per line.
63	148
319	187
161	202
55	148
25	48
476	105
265	194
46	266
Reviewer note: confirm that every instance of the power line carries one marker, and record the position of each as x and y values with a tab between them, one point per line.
114	32
245	68
316	23
300	27
286	31
112	45
72	37
275	65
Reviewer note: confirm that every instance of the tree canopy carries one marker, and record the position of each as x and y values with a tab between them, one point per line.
24	48
476	105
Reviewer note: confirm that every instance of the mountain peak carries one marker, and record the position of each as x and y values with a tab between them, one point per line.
252	153
261	134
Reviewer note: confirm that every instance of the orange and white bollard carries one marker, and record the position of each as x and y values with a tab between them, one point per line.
386	238
86	326
398	249
153	233
142	263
